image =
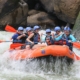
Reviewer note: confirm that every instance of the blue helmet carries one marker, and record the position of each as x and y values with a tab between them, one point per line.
67	29
36	27
28	29
20	28
48	30
57	28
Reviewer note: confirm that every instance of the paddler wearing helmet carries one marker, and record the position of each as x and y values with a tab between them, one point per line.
48	38
68	37
57	36
34	37
19	36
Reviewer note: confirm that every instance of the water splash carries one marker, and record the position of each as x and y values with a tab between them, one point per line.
34	70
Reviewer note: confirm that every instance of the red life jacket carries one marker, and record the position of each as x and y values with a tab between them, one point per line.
60	42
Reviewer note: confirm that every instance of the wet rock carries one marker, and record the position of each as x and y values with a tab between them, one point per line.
41	12
66	10
2	2
15	16
40	18
7	5
76	29
32	12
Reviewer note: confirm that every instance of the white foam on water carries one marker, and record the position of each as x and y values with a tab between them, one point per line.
34	70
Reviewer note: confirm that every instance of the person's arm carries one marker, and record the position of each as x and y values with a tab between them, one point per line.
19	37
73	39
58	38
29	37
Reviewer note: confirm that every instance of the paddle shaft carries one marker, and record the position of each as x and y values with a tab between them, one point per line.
4	41
7	41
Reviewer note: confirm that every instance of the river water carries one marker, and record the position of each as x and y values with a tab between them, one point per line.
34	70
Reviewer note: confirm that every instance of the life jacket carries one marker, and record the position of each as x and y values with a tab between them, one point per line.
36	38
60	42
21	40
50	42
31	39
64	37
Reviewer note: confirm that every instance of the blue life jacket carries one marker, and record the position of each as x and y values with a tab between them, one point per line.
36	38
66	38
69	37
15	40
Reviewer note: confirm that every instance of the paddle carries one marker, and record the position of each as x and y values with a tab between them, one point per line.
15	41
15	45
4	41
76	44
12	46
10	28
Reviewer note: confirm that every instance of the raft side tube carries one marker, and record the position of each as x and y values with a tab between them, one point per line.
53	50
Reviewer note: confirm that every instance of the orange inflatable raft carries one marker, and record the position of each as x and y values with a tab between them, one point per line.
53	50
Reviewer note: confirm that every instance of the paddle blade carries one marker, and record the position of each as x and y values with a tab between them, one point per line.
76	44
9	28
77	57
15	45
1	41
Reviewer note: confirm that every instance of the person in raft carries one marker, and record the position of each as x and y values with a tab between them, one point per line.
68	37
57	36
19	37
29	32
48	38
33	39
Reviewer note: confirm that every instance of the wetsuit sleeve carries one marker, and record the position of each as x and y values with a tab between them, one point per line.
73	39
58	38
15	36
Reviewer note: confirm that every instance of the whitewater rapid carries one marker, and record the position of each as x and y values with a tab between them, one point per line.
35	70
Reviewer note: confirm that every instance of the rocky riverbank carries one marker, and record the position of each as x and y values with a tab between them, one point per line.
41	12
